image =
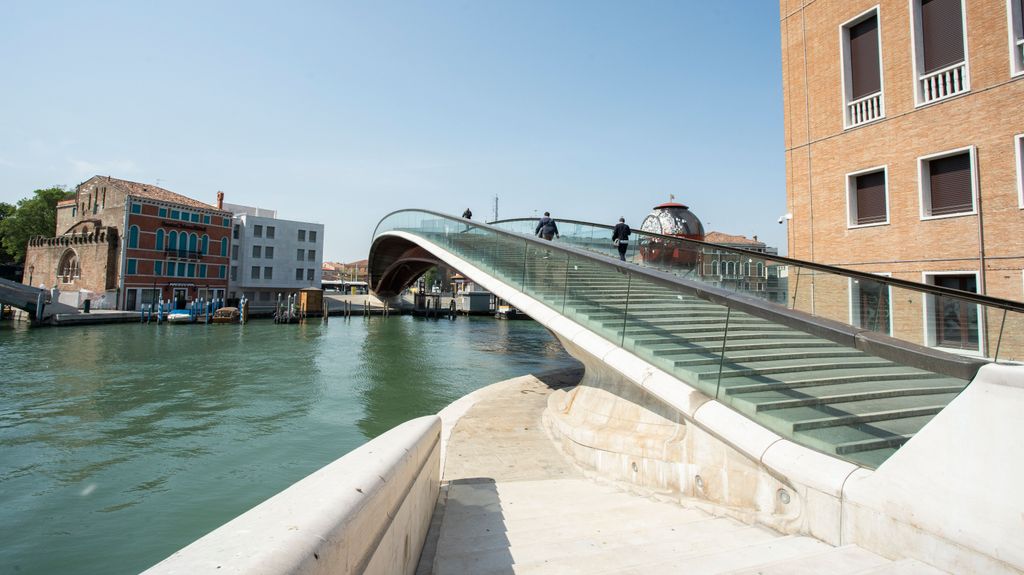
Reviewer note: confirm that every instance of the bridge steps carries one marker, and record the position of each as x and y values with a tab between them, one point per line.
832	398
827	396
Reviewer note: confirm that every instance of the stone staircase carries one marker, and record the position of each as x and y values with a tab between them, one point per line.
567	526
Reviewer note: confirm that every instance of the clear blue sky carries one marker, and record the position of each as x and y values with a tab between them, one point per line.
340	112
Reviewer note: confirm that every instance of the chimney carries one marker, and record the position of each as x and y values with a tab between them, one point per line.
220	200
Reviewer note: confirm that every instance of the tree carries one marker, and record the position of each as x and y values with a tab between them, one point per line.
6	210
34	216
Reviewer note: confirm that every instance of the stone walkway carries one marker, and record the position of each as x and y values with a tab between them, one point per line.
512	503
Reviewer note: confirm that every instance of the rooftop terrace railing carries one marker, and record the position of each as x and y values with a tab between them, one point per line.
746	339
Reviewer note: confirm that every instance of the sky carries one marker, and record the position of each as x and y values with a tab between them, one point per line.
342	112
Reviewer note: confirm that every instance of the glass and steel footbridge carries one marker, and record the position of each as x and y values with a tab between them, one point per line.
845	362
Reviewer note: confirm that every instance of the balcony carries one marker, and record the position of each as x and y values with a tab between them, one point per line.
175	253
944	83
864	110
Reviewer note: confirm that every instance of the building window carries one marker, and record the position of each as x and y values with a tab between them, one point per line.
269	252
204	245
714	267
234	252
311	256
158	268
202	270
175	214
298	274
268	273
227	223
257	231
309	274
206	219
300	254
270	232
162	212
74	210
255	272
234	234
871	305
867	198
193	243
940	53
181	270
234	273
191	270
170	269
862	70
195	218
221	272
131	267
302	235
257	251
136	208
951	322
160	239
312	235
1015	14
184	216
223	247
133	237
1018	143
947	184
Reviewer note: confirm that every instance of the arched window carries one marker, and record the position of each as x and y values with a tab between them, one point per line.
133	237
760	270
205	245
746	269
172	240
68	268
192	241
224	247
729	268
160	239
714	267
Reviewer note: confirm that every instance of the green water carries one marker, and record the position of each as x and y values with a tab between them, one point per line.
120	444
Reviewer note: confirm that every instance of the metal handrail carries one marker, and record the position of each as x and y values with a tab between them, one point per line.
972	297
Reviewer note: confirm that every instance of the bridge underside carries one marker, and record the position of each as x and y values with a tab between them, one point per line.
396	263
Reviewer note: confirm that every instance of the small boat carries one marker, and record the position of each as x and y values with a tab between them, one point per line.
509	312
179	316
226	315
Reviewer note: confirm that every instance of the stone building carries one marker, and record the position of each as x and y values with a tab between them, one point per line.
273	257
122	244
904	138
733	270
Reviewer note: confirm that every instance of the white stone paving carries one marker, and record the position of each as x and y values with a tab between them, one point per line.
514	504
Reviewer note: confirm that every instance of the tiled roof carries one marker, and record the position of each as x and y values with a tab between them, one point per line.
152	192
722	238
360	263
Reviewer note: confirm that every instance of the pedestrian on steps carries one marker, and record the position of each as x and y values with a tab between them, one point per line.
620	237
547	228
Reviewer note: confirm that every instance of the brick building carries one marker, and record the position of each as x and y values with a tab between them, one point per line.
122	244
736	271
904	127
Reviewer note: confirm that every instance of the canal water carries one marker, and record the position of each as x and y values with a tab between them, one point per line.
120	444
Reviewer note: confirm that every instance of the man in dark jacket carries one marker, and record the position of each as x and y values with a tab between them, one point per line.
546	227
620	237
467	214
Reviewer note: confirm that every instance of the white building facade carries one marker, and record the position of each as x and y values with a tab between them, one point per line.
271	256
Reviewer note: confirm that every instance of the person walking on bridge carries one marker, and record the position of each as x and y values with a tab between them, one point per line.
467	214
547	228
620	237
